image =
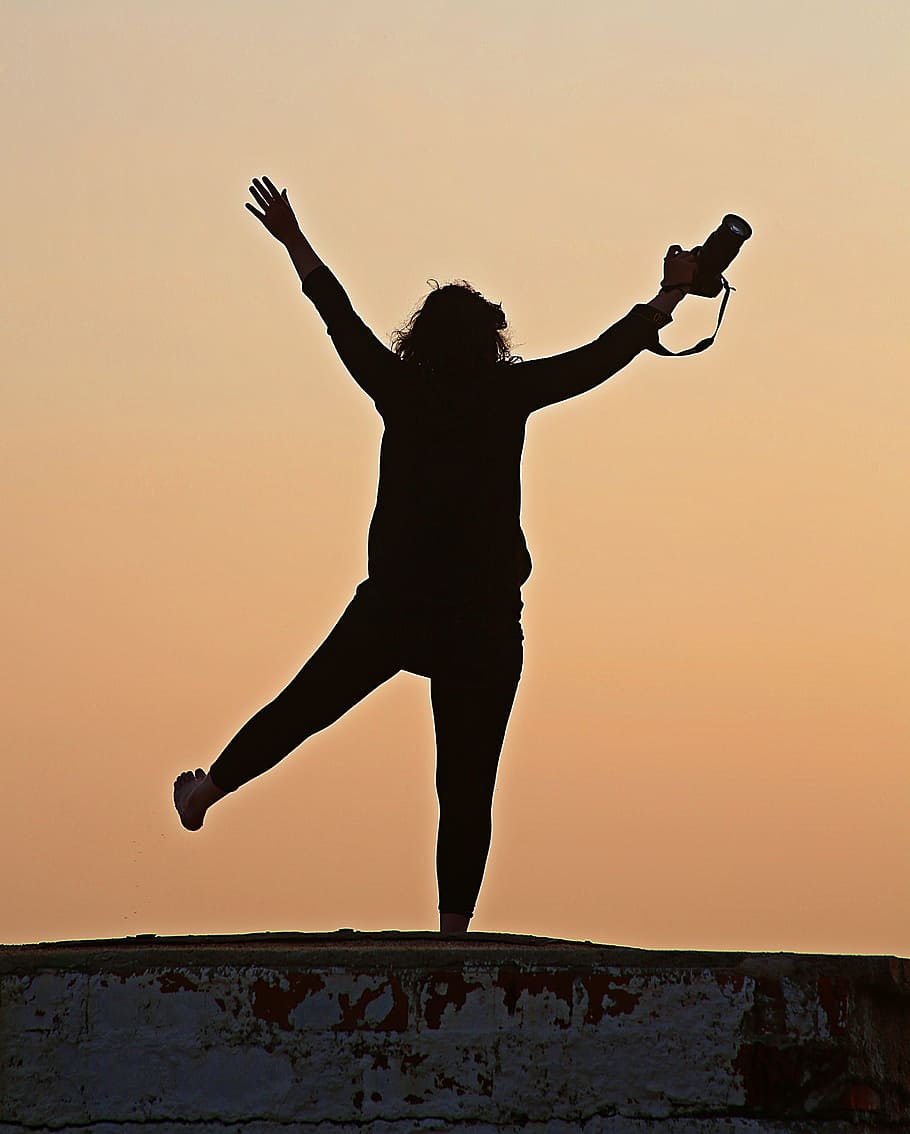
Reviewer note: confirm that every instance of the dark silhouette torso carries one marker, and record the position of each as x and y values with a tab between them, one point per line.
446	529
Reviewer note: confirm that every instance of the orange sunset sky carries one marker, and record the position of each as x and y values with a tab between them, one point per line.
709	746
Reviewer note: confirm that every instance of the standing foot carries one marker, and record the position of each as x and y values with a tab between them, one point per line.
194	794
453	923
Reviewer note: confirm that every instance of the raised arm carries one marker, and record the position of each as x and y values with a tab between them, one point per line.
278	218
369	363
545	381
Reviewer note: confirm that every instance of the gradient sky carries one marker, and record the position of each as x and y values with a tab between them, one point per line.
709	744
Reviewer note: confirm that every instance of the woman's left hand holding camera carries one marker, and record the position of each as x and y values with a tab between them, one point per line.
679	272
679	269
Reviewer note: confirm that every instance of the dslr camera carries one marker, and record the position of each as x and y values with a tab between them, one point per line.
717	253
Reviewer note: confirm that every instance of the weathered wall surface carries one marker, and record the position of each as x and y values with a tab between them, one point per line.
395	1033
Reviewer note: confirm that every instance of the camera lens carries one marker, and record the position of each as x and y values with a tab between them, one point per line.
738	226
717	253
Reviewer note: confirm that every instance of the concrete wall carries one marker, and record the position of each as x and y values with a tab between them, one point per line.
396	1033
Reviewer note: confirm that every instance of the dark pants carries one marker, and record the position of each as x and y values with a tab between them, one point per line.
473	659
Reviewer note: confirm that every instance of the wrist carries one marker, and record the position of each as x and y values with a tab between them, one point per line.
295	240
302	255
667	298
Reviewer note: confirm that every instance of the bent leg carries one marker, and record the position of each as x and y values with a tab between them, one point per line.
355	658
470	719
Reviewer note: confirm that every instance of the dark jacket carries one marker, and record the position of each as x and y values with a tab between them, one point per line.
446	529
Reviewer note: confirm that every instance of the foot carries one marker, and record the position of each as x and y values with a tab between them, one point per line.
191	812
451	923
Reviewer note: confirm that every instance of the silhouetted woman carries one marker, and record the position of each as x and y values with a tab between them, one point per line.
447	556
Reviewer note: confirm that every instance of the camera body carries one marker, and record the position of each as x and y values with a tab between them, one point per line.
717	253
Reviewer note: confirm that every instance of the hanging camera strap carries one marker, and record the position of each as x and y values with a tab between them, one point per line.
705	343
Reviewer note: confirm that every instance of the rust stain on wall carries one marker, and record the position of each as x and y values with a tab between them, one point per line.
862	1097
176	981
442	990
768	1015
730	982
608	986
353	1014
515	983
274	1004
785	1081
834	997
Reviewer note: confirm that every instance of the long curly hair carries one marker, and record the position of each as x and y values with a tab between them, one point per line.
455	328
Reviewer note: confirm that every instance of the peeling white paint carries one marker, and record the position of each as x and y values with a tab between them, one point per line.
495	1038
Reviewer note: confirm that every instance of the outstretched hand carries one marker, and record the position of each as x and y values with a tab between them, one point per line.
277	214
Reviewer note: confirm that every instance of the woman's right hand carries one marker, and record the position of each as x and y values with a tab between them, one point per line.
277	214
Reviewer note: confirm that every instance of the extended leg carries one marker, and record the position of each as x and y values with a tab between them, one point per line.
470	720
354	659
